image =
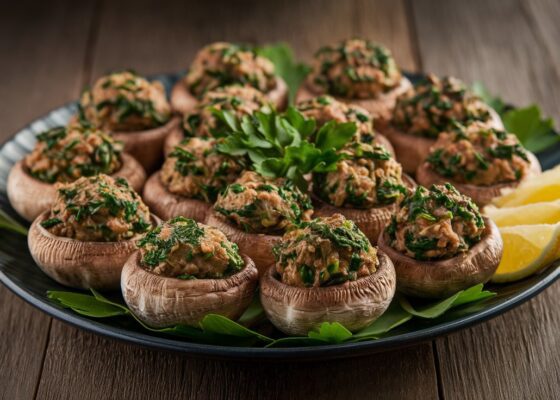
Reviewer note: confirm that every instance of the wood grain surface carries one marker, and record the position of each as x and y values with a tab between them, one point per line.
56	47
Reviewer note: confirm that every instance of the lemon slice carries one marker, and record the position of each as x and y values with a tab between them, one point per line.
527	249
530	214
542	188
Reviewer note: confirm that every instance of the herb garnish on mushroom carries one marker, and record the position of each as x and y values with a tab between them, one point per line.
64	154
365	187
191	178
326	271
134	110
185	270
222	64
89	232
433	106
440	243
480	161
359	72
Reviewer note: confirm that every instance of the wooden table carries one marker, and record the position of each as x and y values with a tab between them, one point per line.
51	49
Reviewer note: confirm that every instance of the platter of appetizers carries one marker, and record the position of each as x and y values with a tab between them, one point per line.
255	207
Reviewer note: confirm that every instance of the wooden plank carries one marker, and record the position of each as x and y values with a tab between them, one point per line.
95	367
81	364
515	356
43	46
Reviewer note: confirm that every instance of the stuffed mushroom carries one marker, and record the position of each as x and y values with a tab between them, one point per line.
64	154
202	122
479	161
223	64
358	72
365	187
255	211
191	178
440	244
326	270
185	270
433	106
135	111
326	108
89	232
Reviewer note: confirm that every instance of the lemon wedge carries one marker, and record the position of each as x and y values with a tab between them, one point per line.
542	188
527	249
530	214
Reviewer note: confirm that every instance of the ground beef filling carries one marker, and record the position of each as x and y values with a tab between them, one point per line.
433	106
66	154
223	64
323	252
194	169
479	155
184	249
367	177
325	108
239	100
263	205
124	101
97	209
354	68
435	224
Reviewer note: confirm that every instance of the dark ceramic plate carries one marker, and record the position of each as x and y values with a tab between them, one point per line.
20	274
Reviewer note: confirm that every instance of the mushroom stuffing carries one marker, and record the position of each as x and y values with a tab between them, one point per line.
185	270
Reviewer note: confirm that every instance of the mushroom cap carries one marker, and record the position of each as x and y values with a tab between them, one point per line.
172	140
354	304
183	102
371	221
78	264
380	107
167	205
147	146
160	301
258	246
412	150
481	195
30	196
443	278
383	141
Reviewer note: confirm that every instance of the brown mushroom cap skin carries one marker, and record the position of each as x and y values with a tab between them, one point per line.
30	196
78	264
380	107
443	278
161	301
371	221
167	205
354	304
481	195
258	246
183	102
412	150
172	140
147	146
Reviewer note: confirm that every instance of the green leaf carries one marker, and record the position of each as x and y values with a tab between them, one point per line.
85	304
534	132
218	324
7	222
334	135
434	310
331	332
285	66
393	317
254	313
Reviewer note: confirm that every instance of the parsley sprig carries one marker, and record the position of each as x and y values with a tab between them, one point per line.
279	144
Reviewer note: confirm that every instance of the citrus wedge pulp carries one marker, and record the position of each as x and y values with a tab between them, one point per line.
542	188
529	214
527	249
